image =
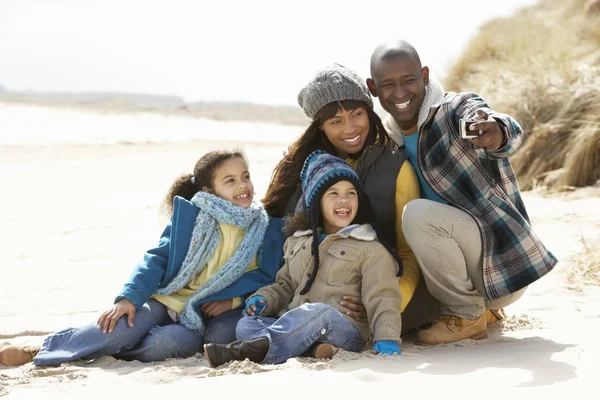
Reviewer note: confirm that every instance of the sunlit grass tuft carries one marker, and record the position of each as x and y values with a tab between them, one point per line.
542	66
584	267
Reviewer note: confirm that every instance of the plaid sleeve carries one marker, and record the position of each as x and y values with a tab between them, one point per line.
513	136
470	103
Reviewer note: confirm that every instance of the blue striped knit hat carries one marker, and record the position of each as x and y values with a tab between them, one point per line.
320	171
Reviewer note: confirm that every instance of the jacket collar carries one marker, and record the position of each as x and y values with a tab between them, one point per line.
434	95
360	232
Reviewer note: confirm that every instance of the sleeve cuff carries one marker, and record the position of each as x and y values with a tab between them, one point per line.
133	297
504	131
236	302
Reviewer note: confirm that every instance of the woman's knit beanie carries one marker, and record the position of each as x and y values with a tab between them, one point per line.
333	83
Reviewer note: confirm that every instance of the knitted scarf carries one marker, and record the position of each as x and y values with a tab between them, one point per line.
205	239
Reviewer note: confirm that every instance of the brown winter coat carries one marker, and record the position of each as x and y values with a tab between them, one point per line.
352	263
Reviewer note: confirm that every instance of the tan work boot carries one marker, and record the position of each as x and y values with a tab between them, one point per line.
494	315
450	328
13	356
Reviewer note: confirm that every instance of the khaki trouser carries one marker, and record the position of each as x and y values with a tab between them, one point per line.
447	244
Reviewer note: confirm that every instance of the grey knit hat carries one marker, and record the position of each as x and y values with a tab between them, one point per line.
332	83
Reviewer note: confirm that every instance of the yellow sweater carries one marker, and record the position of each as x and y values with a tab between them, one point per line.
231	237
407	189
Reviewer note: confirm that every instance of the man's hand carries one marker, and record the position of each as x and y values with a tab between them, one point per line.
109	318
491	135
215	308
355	307
254	306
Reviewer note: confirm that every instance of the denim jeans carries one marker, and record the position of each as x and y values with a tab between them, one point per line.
221	329
298	329
153	337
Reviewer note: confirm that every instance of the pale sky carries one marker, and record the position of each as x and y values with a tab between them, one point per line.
236	50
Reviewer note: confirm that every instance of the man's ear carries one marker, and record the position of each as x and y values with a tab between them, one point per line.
426	75
206	190
371	86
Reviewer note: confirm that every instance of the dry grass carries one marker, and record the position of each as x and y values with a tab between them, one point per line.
584	267
542	67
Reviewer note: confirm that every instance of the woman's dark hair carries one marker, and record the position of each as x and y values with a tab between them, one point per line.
313	220
286	176
204	175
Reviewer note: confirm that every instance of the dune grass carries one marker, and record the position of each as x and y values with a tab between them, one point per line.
542	66
584	267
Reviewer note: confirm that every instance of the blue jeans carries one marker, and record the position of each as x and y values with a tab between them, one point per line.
298	329
154	337
221	329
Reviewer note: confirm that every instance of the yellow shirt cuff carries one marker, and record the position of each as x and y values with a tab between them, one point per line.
236	302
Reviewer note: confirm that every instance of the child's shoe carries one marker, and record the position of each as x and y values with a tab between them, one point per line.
322	351
253	349
13	356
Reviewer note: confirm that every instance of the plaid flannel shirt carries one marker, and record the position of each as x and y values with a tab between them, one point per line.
483	184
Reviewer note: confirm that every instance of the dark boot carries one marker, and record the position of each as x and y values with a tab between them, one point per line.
253	349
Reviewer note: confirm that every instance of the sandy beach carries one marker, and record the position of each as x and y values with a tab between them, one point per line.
76	218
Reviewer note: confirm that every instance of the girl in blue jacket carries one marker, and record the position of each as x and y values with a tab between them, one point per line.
218	247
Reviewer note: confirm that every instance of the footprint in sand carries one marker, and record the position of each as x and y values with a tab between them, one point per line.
365	375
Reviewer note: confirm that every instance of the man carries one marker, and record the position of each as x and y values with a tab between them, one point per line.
470	231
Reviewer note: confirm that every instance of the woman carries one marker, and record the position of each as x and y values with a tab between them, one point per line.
344	124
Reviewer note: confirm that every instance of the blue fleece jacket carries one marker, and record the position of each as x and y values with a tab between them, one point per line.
162	263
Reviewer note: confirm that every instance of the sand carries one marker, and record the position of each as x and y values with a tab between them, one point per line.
76	218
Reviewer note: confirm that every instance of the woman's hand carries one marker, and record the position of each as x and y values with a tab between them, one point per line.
109	318
254	306
215	308
355	307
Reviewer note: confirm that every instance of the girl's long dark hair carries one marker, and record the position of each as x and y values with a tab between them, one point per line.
286	176
204	175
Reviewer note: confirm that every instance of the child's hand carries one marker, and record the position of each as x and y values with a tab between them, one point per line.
214	308
254	306
109	318
388	347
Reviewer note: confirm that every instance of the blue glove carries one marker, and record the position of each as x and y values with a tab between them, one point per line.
388	347
254	306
